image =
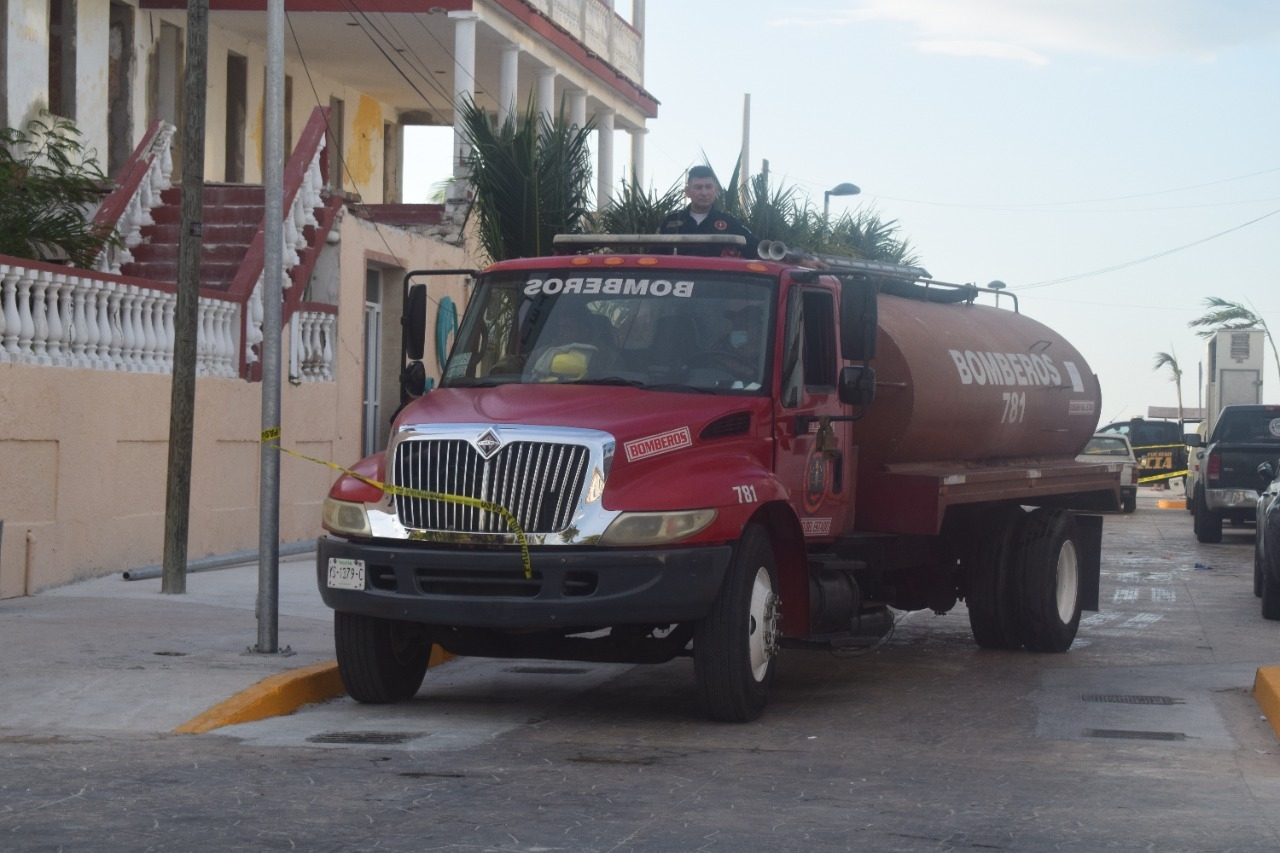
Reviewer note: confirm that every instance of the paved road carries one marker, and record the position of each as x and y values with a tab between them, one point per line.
1143	737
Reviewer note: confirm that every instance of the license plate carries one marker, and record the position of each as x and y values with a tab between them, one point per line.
345	573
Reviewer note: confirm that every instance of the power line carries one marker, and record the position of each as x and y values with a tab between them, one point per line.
1126	264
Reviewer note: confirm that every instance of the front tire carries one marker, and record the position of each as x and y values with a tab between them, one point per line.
1257	573
1207	524
381	661
1270	595
1047	580
736	644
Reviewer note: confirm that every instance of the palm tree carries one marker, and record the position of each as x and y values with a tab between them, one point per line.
771	213
870	236
632	210
1231	316
1166	359
532	179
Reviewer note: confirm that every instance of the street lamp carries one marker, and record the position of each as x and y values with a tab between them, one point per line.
838	189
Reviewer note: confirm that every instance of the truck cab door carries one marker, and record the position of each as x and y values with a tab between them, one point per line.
815	458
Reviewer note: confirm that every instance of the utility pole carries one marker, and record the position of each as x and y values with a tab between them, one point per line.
272	290
744	170
186	320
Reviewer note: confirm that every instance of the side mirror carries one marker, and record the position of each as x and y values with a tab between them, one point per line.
858	320
1192	439
414	322
1267	473
413	381
857	385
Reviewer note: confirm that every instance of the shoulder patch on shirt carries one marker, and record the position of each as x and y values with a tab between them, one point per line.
721	225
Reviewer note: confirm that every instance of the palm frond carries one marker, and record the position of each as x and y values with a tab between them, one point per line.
532	179
1224	314
632	210
1164	359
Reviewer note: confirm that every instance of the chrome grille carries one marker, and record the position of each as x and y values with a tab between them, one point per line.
537	482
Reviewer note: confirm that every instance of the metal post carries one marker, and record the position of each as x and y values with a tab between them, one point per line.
186	317
744	170
272	288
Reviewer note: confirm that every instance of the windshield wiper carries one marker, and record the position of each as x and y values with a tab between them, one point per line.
608	380
489	382
680	389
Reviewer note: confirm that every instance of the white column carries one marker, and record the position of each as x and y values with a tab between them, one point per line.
577	107
604	149
637	154
547	92
464	88
507	82
637	23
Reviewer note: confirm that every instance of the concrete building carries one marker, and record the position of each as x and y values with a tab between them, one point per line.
85	355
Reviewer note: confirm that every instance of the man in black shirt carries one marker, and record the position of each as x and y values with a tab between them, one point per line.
703	217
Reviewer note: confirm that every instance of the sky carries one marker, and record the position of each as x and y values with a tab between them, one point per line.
1114	162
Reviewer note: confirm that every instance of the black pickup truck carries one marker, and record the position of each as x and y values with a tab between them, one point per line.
1243	438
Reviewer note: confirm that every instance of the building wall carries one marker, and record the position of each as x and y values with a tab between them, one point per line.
93	20
27	54
83	453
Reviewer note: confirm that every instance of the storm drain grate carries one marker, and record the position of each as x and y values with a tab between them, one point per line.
548	670
365	737
1122	734
1121	699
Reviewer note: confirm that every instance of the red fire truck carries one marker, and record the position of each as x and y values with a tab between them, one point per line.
635	455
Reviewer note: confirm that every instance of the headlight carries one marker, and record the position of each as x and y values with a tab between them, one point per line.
346	518
655	528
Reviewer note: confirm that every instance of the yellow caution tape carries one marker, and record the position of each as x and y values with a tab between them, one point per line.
272	437
1136	447
1166	476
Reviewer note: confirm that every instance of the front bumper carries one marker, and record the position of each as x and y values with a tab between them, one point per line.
571	587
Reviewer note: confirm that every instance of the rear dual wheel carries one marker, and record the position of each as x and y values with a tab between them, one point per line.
1048	581
989	584
1023	586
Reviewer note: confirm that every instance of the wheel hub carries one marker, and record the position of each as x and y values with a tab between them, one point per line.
763	625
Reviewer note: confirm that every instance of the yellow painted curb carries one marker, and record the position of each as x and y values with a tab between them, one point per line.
1266	692
1172	504
280	695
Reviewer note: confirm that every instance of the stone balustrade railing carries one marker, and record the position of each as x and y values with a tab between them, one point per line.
304	196
129	207
313	330
601	30
65	317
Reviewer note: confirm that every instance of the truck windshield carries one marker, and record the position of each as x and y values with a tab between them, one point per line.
704	332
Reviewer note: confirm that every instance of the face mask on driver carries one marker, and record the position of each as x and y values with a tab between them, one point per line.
737	339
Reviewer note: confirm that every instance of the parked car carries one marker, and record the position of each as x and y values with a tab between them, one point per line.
1157	445
1115	448
1266	543
1194	439
1227	486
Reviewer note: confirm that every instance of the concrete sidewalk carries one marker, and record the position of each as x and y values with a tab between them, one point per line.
116	655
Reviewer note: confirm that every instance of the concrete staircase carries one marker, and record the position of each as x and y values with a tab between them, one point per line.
232	216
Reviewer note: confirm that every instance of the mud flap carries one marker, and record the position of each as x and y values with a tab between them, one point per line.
1089	555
